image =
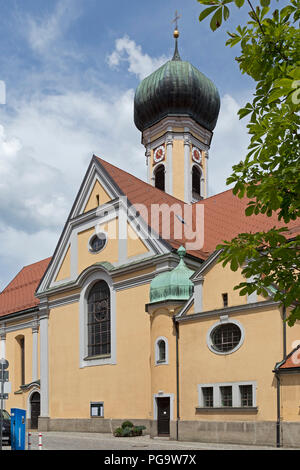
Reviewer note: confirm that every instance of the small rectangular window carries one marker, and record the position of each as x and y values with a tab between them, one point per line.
246	395
97	410
226	396
225	300
208	397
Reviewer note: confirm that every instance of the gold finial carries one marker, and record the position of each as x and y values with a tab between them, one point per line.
176	32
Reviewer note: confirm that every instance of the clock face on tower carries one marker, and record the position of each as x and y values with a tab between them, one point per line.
196	155
159	154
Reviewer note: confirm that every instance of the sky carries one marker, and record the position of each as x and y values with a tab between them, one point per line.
69	69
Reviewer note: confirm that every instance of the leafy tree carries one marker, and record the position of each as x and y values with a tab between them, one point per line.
269	174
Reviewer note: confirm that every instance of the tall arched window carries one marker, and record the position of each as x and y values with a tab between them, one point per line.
99	324
161	351
196	183
20	362
159	176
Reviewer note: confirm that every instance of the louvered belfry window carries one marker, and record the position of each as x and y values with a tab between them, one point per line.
99	342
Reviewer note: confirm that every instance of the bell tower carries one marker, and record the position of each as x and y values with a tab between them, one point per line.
176	109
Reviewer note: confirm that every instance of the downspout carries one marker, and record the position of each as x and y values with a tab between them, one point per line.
278	422
278	427
284	331
176	326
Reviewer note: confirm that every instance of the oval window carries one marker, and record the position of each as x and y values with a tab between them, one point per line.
97	242
225	338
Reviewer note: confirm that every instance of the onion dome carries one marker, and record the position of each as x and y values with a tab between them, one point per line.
173	285
176	89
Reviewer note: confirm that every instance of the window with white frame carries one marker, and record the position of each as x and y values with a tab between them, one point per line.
227	395
225	336
161	351
97	409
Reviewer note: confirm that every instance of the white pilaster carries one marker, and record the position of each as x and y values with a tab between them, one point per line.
169	166
206	175
198	295
187	170
2	343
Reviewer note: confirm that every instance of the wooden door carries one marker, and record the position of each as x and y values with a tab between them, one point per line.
163	416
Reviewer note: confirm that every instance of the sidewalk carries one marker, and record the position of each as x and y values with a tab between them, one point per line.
96	441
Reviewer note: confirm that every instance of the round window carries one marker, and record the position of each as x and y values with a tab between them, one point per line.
97	242
226	337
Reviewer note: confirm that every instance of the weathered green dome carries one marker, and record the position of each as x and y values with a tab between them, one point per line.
176	88
173	285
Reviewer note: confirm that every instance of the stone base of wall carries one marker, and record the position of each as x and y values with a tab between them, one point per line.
100	425
240	432
230	432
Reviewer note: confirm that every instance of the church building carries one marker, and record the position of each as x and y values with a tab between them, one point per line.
133	317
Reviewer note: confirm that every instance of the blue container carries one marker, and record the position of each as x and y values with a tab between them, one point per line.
18	429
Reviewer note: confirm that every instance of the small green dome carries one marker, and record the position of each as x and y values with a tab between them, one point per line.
176	88
173	285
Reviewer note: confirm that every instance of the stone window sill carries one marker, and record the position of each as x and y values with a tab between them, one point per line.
230	409
100	356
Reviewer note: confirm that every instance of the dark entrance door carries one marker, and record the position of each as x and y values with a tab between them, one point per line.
163	416
35	409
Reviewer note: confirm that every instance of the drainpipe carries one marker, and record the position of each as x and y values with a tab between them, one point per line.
284	331
278	422
278	430
176	326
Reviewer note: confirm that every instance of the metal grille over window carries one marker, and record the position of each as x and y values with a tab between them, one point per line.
246	395
226	396
226	337
208	397
97	243
99	320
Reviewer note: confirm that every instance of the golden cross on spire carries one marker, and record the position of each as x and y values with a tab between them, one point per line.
176	19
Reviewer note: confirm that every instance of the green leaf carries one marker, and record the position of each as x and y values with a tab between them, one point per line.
265	3
239	3
225	12
206	12
216	20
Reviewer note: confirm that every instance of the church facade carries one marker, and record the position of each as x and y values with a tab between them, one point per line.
133	317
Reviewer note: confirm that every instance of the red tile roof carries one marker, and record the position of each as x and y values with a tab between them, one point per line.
224	218
292	361
224	213
19	294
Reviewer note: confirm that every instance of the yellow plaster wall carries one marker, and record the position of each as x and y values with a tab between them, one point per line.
110	253
124	387
253	361
65	269
290	397
135	245
218	281
163	376
92	201
178	169
13	356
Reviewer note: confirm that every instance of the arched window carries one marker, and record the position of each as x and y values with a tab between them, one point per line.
196	183
159	176
161	352
20	362
99	324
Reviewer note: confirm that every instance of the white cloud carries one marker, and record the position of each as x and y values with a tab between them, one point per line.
42	33
126	50
47	141
229	144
